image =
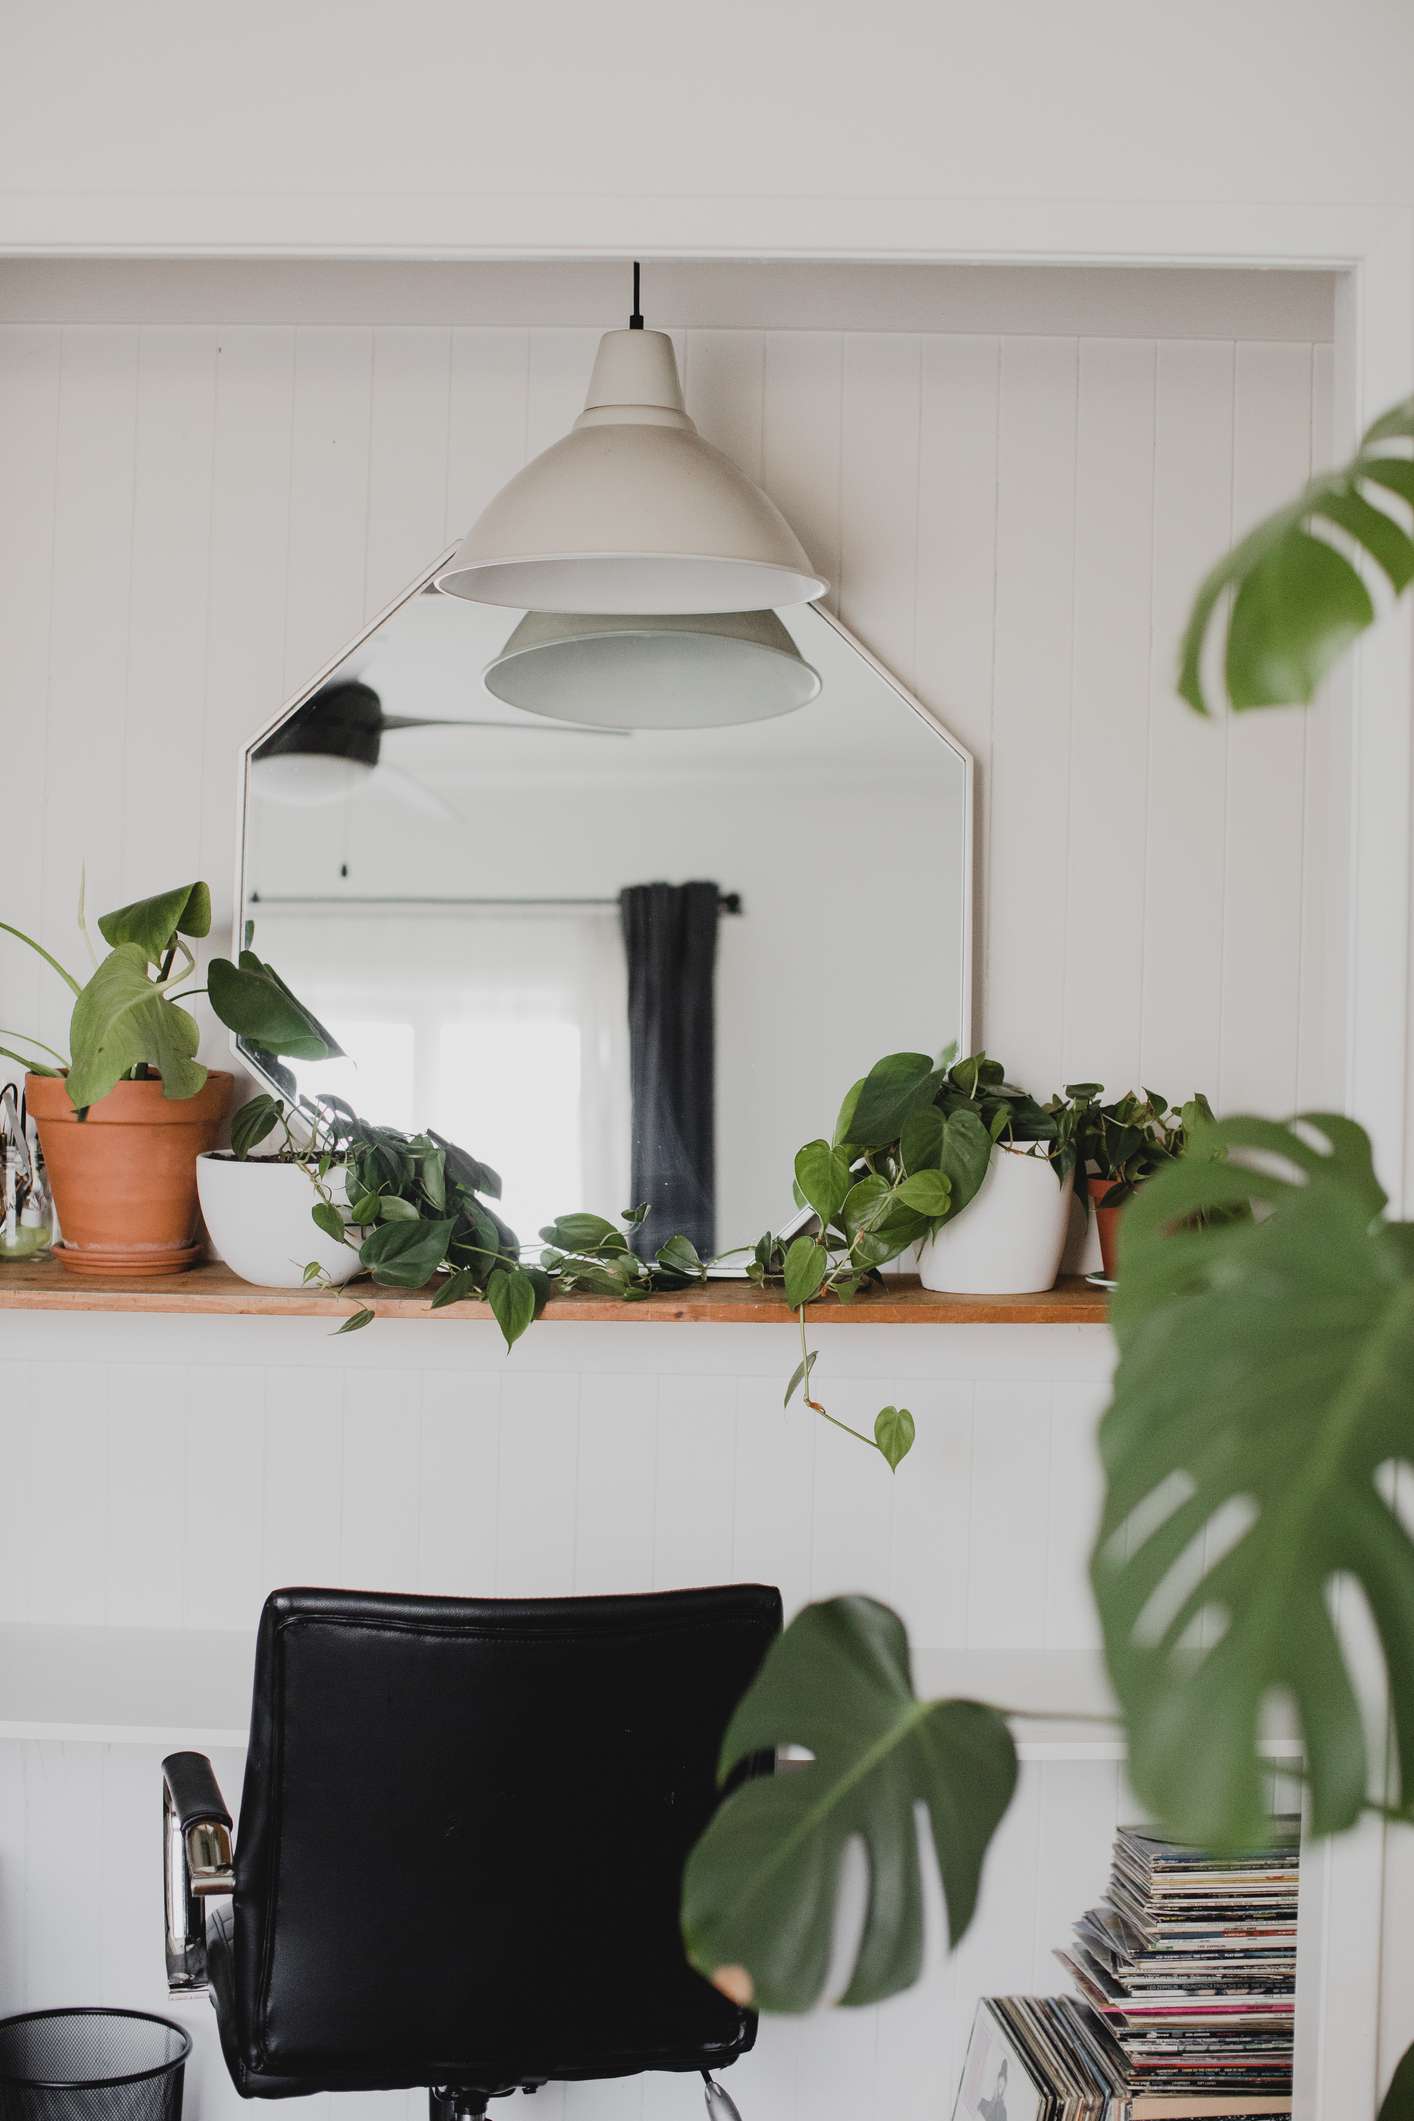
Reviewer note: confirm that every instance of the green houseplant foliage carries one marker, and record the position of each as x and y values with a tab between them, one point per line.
1297	600
1265	1369
761	1889
128	1023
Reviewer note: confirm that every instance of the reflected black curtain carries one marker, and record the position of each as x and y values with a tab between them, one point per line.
670	940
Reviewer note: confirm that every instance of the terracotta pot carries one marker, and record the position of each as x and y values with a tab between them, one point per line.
124	1179
1106	1223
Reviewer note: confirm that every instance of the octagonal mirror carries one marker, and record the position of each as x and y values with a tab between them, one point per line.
621	964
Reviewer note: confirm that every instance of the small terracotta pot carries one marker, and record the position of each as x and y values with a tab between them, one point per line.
1106	1222
124	1179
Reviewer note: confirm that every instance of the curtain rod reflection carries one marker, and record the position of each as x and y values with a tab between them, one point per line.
729	902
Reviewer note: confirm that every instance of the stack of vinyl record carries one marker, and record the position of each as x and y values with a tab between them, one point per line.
1186	1973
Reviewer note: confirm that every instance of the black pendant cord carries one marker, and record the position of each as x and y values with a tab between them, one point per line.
635	322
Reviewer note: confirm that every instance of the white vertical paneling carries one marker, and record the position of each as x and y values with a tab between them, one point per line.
558	376
1073	1512
380	1532
17	1388
1011	1466
800	443
29	425
614	1505
1109	712
1325	845
727	392
1028	814
302	1451
167	648
771	1539
408	456
146	1494
459	1482
249	580
1181	977
69	1501
879	469
328	488
486	420
851	1518
932	1528
693	1513
226	1581
86	713
538	1482
1266	772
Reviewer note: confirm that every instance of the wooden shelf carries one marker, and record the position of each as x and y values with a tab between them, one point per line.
43	1285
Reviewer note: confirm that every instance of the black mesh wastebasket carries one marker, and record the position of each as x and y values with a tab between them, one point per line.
91	2065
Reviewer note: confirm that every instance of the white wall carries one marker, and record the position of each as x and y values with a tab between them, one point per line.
197	513
443	123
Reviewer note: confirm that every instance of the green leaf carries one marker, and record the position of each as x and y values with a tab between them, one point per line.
465	1170
966	1152
252	1000
364	1208
355	1321
1295	612
1380	535
866	1204
634	1216
1395	474
893	1088
511	1295
152	923
39	950
581	1232
1398	2102
35	1067
120	1022
327	1218
893	1433
679	1256
1399	420
929	1192
762	1885
806	1266
392	1208
433	1171
1263	1383
255	1120
823	1176
456	1289
799	1376
405	1255
920	1144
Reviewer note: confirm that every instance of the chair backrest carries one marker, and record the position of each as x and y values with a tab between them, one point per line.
463	1830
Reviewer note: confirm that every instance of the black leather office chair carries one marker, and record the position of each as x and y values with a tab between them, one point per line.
462	1836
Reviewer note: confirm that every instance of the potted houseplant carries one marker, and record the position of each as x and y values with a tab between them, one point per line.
124	1115
1005	1236
1122	1144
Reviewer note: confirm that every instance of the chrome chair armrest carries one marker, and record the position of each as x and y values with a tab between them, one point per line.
197	1864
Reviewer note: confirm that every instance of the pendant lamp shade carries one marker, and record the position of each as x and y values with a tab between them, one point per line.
653	671
632	512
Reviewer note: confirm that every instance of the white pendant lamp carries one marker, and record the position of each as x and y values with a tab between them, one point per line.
653	671
632	512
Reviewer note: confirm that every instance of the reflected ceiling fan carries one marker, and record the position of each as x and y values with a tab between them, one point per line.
330	745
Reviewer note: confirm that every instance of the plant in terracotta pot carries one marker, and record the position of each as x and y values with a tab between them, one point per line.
1124	1143
123	1118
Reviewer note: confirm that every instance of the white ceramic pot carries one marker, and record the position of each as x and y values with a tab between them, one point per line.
257	1214
1009	1238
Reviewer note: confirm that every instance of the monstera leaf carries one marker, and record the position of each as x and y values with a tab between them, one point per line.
1265	1379
1297	600
762	1885
154	923
121	1021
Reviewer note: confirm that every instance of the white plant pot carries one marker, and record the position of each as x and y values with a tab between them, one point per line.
1009	1239
258	1216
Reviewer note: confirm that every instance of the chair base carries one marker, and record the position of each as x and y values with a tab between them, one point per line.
464	2102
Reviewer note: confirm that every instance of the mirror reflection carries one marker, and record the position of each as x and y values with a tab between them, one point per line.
622	964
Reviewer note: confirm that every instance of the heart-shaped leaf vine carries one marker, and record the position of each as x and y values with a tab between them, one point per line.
761	1889
1264	1384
